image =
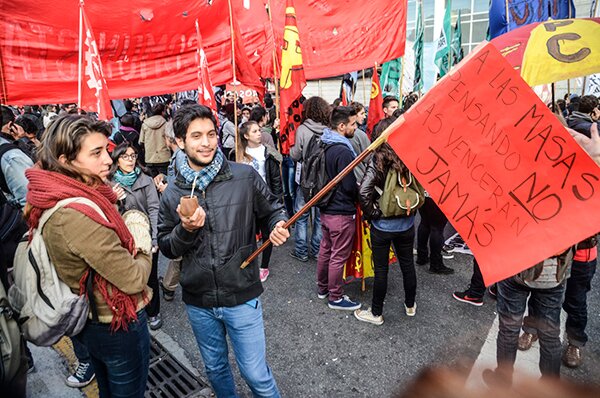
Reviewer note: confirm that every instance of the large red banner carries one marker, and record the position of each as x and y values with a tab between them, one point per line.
149	47
503	169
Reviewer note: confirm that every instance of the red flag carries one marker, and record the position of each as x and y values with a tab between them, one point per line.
206	95
245	72
376	103
93	91
292	77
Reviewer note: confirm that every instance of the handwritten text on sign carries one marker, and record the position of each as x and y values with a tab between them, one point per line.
500	165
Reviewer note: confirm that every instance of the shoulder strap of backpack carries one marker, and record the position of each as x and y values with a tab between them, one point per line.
48	213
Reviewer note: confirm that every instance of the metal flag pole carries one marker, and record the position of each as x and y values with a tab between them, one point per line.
235	121
370	149
80	59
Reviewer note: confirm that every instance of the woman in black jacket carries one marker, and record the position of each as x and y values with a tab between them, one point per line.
267	162
397	231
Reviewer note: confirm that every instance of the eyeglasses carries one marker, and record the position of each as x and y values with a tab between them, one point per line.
128	157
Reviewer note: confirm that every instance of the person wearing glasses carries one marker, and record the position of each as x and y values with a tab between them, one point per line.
136	191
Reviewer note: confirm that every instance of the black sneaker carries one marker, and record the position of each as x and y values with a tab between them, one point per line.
420	261
443	270
465	298
297	257
447	255
84	374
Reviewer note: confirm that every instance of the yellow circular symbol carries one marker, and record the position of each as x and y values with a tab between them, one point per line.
374	90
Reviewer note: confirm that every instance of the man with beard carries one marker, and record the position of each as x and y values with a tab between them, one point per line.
221	298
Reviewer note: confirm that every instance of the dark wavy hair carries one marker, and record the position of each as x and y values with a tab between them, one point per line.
116	154
316	109
384	156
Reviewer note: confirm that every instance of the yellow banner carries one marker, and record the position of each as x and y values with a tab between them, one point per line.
560	50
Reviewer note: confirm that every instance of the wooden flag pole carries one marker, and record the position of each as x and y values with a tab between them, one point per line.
235	121
370	149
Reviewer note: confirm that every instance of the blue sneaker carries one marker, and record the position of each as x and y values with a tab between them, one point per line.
344	304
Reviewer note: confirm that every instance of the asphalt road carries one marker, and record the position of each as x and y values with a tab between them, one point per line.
318	352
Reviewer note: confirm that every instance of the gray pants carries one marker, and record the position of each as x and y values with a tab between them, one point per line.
171	278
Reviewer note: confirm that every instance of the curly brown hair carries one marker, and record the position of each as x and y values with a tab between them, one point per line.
384	156
316	109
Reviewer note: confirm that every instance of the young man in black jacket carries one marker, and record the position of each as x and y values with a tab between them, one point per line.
221	298
338	217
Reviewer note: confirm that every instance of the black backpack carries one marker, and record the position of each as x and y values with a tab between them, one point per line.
314	175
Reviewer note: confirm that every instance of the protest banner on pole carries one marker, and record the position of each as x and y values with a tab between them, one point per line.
506	173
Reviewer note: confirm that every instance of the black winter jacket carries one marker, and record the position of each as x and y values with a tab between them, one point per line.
367	195
581	123
212	255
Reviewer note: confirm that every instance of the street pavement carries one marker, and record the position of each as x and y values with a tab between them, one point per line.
318	352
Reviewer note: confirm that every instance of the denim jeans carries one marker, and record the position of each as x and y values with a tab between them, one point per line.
301	228
575	305
431	230
244	326
120	358
80	350
336	246
403	247
546	305
289	183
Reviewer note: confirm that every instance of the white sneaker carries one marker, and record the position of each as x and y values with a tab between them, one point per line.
367	316
264	274
411	311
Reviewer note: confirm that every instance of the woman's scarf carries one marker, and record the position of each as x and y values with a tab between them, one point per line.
127	179
46	189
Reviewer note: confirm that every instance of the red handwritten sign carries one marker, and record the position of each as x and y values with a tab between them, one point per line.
500	165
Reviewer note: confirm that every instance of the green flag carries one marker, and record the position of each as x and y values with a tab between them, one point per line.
418	49
443	45
456	44
391	73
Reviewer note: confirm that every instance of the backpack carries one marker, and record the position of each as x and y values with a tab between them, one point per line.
11	344
402	194
549	273
314	174
47	308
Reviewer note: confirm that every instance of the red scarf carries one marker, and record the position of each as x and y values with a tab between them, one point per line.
47	188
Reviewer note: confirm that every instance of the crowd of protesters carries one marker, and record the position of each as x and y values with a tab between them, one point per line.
240	186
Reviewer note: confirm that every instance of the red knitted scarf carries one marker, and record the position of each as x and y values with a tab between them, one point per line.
45	189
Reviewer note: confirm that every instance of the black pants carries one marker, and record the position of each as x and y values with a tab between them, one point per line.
403	245
575	304
263	227
431	230
153	307
477	287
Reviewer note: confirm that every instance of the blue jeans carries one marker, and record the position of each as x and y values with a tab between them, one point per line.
575	305
546	306
120	358
301	228
289	184
244	326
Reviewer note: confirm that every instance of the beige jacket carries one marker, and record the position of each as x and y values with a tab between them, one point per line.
153	138
76	242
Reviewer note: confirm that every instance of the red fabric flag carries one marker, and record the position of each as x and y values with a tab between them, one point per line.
375	104
206	95
292	80
93	90
245	72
